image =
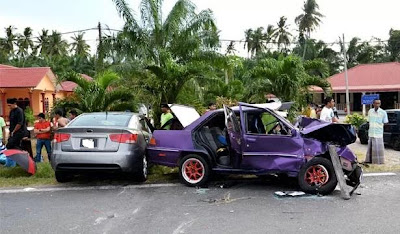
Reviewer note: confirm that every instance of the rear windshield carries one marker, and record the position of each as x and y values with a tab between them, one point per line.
102	119
392	117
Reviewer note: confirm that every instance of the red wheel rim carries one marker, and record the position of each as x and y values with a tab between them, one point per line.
316	175
193	170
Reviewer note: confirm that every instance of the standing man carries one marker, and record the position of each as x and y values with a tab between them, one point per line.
376	118
59	120
17	124
2	130
327	112
42	131
166	117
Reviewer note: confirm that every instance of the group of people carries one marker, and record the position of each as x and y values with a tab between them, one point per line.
19	136
377	117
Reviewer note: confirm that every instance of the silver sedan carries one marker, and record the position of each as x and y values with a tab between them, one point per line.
102	141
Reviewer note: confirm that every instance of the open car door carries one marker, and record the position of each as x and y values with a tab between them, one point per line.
235	134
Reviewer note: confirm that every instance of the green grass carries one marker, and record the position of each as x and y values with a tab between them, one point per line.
369	168
16	176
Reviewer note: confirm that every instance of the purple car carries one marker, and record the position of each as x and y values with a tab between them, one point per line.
249	139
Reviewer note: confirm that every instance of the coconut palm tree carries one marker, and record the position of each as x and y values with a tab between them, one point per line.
43	45
25	43
79	45
57	45
9	41
308	20
283	36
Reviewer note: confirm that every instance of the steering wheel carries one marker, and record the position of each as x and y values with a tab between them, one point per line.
273	128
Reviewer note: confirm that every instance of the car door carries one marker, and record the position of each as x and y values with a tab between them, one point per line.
235	135
264	148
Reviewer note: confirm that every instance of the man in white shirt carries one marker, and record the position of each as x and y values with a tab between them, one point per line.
327	112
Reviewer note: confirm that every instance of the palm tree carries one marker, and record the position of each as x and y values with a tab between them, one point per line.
57	45
167	47
9	41
309	19
283	36
79	45
25	43
99	94
43	42
183	32
288	78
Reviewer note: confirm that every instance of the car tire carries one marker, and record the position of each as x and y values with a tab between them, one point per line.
194	170
396	143
63	177
142	171
317	176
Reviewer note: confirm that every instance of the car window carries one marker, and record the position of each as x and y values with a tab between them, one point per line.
392	117
263	122
102	119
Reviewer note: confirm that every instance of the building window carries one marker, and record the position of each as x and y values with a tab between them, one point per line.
46	105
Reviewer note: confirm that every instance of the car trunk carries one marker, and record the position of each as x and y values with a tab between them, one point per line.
341	134
89	139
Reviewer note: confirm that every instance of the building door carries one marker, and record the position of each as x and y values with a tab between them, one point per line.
357	102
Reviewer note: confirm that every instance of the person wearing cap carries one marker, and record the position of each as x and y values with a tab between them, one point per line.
166	117
42	132
17	124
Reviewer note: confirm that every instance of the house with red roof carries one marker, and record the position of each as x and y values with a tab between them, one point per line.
378	78
35	87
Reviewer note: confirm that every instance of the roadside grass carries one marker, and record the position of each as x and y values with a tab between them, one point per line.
16	176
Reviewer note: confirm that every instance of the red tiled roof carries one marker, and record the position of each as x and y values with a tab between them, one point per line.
367	78
69	86
28	77
2	66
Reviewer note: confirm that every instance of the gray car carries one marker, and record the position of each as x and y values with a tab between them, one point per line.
103	141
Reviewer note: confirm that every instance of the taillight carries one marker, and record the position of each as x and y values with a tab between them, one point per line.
128	138
60	137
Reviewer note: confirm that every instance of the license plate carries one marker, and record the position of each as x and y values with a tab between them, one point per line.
88	143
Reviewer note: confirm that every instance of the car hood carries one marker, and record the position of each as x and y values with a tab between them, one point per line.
185	114
341	134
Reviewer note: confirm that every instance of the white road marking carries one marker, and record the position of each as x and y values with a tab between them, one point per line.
99	220
108	187
379	174
135	211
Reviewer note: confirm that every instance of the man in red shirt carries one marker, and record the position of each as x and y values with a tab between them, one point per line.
42	131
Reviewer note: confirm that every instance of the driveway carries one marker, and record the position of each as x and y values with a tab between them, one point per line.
392	157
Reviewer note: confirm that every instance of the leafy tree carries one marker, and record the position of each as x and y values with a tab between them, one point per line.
7	44
394	45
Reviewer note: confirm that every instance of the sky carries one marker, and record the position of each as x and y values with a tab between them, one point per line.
362	18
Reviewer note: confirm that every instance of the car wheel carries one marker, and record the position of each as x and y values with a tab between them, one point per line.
317	176
194	170
63	177
141	174
396	143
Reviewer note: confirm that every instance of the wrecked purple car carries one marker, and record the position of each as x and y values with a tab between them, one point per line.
249	139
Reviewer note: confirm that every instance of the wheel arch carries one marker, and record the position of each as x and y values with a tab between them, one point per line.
202	154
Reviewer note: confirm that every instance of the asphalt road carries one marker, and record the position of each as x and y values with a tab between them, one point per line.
246	207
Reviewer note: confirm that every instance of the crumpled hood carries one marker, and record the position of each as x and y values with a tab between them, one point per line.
341	134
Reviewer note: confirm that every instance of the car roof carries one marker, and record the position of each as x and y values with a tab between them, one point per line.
393	110
112	113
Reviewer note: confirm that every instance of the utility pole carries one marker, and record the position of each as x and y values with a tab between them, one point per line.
100	54
346	78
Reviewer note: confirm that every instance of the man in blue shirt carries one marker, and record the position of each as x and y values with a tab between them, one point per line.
376	118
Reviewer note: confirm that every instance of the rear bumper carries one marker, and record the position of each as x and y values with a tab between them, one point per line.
96	161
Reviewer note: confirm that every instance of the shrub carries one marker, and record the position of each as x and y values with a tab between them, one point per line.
355	119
